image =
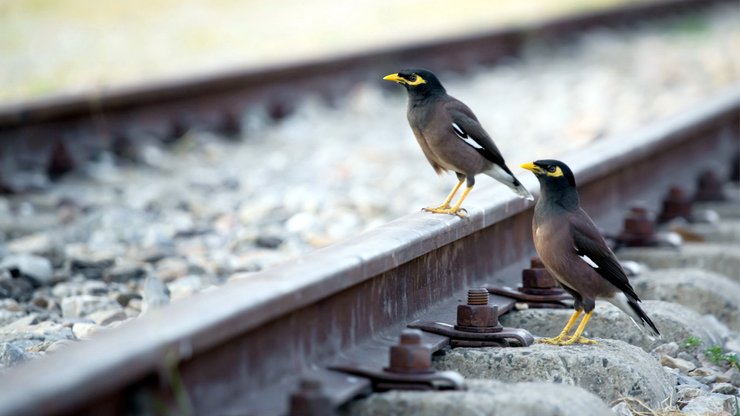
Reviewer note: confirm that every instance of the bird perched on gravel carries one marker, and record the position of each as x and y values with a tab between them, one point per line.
574	252
451	137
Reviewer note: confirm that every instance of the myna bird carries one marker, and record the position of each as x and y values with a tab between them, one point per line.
575	253
451	137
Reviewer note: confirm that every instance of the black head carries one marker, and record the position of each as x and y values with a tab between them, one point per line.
418	82
557	183
552	172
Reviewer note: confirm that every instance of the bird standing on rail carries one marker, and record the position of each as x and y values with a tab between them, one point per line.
451	137
574	252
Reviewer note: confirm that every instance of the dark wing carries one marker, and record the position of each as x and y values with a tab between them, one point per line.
591	247
466	127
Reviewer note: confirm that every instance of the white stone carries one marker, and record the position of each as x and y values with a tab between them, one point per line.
83	305
84	330
107	317
670	349
724	388
682	365
711	404
621	409
35	267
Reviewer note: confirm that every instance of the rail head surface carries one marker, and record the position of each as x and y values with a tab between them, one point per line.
66	380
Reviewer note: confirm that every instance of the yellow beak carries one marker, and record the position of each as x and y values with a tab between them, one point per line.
531	167
394	78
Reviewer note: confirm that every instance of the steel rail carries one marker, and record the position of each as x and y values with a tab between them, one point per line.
239	349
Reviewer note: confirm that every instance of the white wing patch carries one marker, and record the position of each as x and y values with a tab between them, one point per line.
464	136
588	261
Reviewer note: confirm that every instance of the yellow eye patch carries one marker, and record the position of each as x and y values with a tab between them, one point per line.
556	173
418	80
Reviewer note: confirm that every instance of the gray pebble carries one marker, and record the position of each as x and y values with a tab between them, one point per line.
83	305
10	305
58	345
39	243
11	354
268	241
724	388
36	268
124	271
22	324
708	379
622	409
684	380
18	288
107	317
683	365
683	355
710	404
670	349
84	330
156	294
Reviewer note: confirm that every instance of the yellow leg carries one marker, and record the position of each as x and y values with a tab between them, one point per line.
456	209
442	209
558	340
577	338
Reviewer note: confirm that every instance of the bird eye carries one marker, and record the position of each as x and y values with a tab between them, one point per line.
412	78
551	168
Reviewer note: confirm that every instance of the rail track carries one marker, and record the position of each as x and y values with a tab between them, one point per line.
244	348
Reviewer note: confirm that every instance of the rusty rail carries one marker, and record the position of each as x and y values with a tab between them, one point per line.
241	349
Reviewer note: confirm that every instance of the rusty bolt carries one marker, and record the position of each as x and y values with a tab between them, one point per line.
675	205
230	123
60	161
709	187
310	400
536	276
639	229
477	297
477	315
179	126
411	355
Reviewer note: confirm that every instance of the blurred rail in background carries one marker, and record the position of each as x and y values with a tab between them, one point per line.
41	131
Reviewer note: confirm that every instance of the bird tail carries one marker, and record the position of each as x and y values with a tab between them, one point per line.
505	176
635	312
520	190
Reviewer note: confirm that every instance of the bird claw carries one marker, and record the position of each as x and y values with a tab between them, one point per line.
460	212
580	340
438	209
551	341
566	340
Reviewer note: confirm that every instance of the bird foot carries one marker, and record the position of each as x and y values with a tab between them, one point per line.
559	340
438	208
566	340
580	340
446	209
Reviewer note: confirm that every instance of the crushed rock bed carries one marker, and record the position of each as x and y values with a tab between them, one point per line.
102	245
